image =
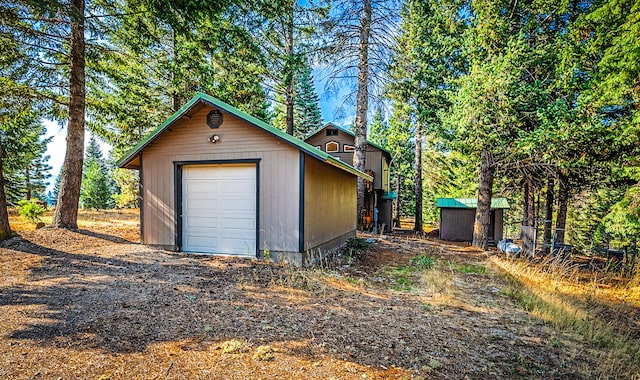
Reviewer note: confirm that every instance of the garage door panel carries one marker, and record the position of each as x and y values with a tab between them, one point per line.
219	209
236	244
232	233
238	224
203	241
241	206
205	211
206	232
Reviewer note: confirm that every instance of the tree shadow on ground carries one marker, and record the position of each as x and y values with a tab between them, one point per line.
111	238
121	305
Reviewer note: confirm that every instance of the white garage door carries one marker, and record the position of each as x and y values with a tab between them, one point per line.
219	209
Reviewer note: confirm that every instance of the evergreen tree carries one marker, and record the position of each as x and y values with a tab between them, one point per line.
56	188
25	164
308	117
378	129
421	71
286	32
96	190
358	51
164	56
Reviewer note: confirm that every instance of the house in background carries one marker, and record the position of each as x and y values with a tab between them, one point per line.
216	180
340	143
457	217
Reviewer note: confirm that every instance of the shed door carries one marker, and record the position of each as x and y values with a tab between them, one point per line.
219	209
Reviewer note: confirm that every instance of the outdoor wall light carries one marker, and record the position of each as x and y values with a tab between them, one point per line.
214	139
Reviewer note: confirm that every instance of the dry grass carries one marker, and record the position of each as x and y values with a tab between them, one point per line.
601	307
90	304
122	223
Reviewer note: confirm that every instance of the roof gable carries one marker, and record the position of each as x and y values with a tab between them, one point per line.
470	203
216	103
348	132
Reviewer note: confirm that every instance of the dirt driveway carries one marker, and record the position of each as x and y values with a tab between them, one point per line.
86	305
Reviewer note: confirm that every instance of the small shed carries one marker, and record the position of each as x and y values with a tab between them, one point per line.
457	217
216	180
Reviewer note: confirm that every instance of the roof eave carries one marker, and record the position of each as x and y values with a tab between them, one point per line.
211	101
133	152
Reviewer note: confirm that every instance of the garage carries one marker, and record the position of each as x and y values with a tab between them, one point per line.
219	209
216	180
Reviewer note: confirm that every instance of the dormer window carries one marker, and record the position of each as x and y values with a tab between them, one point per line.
332	147
332	132
348	148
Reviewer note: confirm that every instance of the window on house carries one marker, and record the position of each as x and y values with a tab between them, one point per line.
348	148
332	132
332	147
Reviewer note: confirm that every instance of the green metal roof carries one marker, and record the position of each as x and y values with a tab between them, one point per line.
349	133
210	100
469	203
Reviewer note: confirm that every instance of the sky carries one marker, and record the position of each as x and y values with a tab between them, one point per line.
329	105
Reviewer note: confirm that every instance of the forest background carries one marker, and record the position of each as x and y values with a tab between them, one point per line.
537	102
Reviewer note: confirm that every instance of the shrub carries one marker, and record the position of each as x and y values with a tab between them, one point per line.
357	244
264	353
233	346
424	261
30	210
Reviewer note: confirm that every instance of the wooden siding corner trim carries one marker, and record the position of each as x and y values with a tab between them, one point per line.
301	206
141	198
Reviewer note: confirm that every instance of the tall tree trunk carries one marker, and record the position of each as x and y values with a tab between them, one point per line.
5	229
563	203
483	211
548	216
66	215
397	218
418	178
362	102
290	68
175	96
27	177
528	220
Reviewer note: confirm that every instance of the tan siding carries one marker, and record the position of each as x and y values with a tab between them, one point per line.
329	203
385	176
321	138
187	141
373	161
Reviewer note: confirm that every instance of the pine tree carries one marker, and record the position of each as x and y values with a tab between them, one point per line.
358	50
378	129
25	162
94	152
308	117
285	30
420	72
96	191
56	188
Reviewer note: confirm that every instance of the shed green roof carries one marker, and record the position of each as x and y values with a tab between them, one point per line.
210	100
469	203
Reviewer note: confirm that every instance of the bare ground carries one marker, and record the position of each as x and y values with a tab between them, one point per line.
93	304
